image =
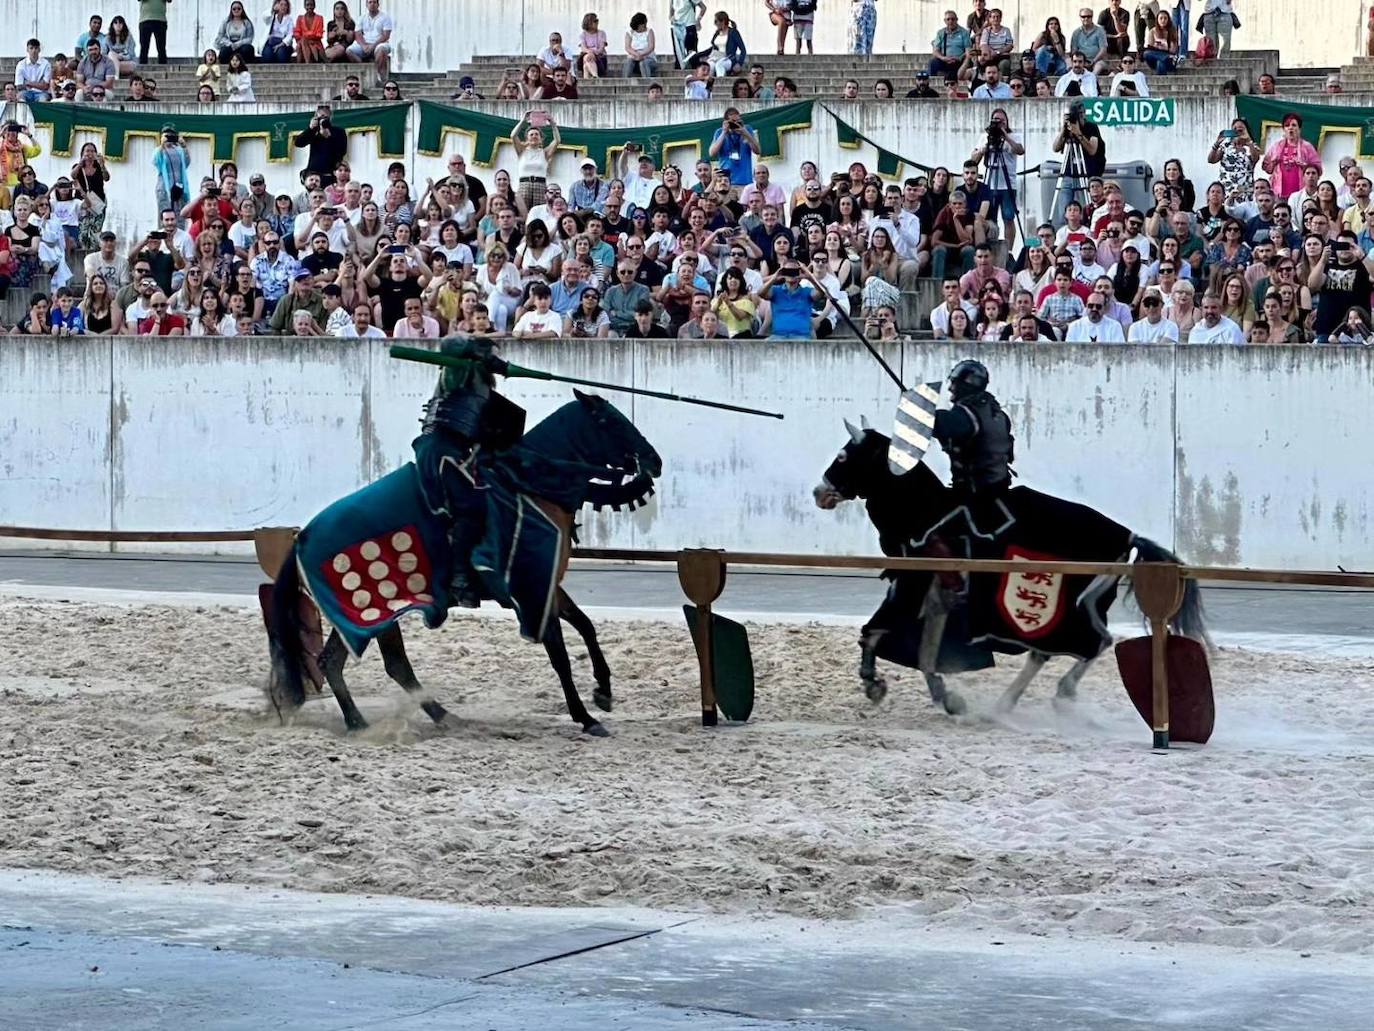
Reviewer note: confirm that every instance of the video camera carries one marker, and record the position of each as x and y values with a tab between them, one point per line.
1076	113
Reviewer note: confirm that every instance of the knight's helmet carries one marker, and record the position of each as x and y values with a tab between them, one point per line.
967	378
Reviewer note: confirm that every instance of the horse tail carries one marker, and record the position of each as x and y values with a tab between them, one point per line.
286	686
1190	621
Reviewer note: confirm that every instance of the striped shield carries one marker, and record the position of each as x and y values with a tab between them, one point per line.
913	427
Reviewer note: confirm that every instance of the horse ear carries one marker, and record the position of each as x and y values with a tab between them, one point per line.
855	434
863	423
584	398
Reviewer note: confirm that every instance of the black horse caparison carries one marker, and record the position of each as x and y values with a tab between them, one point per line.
616	466
909	511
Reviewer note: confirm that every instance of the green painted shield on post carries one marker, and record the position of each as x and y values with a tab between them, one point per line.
1149	111
733	665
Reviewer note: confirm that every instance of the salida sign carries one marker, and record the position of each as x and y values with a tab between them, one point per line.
1130	111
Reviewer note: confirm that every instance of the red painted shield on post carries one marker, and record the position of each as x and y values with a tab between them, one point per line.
1192	708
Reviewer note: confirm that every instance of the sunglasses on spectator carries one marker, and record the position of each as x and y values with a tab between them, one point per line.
1094	307
271	240
626	272
634	246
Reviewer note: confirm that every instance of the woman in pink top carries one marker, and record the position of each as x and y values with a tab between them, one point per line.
593	51
1287	156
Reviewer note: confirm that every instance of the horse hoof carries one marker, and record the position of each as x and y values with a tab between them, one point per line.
876	689
602	699
596	729
955	704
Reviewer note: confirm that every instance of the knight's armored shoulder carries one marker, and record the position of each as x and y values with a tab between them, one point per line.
476	348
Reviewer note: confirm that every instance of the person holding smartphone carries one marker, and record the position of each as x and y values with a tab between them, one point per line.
1237	154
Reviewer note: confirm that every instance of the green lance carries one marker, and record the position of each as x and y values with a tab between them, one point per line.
513	371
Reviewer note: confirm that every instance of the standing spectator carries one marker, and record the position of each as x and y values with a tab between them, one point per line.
276	49
172	161
780	16
372	40
1091	41
591	50
328	146
1287	157
121	46
1116	23
33	74
863	23
1218	19
1146	13
152	25
684	21
639	48
308	33
239	81
532	157
733	147
235	35
803	14
950	48
338	35
1183	12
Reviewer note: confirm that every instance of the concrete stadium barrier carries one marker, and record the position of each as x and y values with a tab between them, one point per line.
1235	456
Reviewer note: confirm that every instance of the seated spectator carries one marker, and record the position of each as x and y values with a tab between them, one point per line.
65	318
1213	327
922	89
35	323
735	305
362	326
725	54
640	60
793	293
1130	81
93	32
235	35
995	45
159	321
950	48
372	40
589	320
415	325
1094	326
33	74
339	34
209	72
698	83
1162	45
308	34
1153	327
1090	40
553	57
558	86
95	69
540	322
1077	81
277	48
467	90
591	48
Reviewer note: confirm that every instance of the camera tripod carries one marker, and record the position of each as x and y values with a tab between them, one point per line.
1072	183
996	168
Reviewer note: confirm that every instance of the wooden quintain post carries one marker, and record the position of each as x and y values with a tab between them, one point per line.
1159	592
701	572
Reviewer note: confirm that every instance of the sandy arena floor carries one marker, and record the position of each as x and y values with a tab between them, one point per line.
137	741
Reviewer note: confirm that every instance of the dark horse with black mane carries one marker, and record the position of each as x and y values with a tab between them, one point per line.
927	622
381	552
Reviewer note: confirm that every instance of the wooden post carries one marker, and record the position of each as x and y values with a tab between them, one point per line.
701	572
272	544
1159	591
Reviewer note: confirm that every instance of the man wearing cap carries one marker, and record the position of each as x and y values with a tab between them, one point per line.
1154	328
273	270
107	263
467	90
66	93
922	90
33	75
301	297
640	180
322	263
589	192
262	201
95	69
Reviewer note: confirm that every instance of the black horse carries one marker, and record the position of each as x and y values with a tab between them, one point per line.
586	452
930	623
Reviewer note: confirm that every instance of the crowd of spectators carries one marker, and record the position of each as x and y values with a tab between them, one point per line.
1272	250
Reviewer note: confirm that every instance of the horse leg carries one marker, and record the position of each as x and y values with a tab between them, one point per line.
934	617
332	661
398	668
579	621
875	686
558	659
1035	662
1067	691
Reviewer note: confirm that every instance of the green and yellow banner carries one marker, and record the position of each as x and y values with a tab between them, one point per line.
225	131
488	132
1264	113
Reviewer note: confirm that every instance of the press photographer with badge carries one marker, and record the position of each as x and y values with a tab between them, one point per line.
998	155
733	146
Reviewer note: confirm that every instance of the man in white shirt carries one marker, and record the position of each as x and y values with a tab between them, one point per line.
738	258
33	75
1130	81
362	326
1092	327
1154	328
939	316
1086	270
639	181
1214	327
1078	72
372	40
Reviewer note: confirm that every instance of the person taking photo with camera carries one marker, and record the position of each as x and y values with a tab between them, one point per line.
998	156
733	147
328	146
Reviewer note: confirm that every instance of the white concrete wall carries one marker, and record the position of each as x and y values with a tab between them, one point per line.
936	134
440	34
1234	456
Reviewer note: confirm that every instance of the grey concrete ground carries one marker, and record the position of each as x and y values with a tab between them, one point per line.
78	952
1272	612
